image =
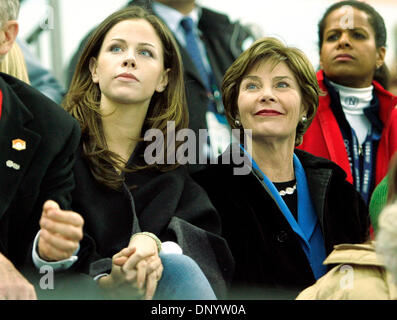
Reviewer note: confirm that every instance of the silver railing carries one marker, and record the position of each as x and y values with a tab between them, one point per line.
50	23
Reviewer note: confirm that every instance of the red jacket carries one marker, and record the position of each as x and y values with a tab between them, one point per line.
324	138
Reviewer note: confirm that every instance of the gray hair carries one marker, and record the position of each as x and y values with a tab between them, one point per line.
9	10
386	239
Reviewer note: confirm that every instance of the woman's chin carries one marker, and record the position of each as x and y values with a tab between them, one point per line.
274	137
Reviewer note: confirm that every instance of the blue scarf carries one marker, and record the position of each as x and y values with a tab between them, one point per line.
307	227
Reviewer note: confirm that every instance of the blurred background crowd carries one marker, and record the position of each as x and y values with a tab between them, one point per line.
55	28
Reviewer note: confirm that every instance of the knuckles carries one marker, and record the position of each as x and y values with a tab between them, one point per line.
80	221
80	234
142	264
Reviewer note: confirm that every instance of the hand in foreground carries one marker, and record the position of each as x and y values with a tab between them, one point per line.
61	232
13	285
136	267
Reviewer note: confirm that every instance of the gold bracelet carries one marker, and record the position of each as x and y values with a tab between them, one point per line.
151	235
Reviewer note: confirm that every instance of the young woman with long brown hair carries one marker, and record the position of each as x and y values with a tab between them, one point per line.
129	80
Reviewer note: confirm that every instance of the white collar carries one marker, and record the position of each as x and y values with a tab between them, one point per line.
351	90
173	17
354	100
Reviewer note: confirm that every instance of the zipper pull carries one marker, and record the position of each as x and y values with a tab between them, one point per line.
360	150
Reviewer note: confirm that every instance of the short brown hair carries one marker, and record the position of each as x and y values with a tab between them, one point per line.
273	49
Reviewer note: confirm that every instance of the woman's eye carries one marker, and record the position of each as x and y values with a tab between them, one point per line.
332	37
251	86
358	35
146	52
115	48
282	84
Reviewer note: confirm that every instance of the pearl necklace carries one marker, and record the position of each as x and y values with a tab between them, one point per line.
289	190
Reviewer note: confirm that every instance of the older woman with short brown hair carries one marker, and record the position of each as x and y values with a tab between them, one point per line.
283	218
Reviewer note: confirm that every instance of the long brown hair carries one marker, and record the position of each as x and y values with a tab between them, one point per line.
83	100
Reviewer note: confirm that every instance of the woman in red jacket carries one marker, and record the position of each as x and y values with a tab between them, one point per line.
355	125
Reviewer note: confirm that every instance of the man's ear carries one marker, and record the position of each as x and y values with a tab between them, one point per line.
8	34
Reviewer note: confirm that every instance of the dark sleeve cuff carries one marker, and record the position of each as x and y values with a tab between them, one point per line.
100	266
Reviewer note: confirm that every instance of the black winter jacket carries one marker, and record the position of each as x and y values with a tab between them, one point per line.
39	172
170	204
266	250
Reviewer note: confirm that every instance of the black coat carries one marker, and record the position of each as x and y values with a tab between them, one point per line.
170	205
45	166
266	250
223	41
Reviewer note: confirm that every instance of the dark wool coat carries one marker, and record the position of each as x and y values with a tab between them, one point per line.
170	205
266	250
42	171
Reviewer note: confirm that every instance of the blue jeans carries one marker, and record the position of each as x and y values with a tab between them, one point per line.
182	279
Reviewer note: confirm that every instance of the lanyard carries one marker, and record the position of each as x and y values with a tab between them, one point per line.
216	104
362	163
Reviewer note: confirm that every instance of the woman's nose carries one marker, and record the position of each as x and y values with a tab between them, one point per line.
344	40
267	95
129	60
